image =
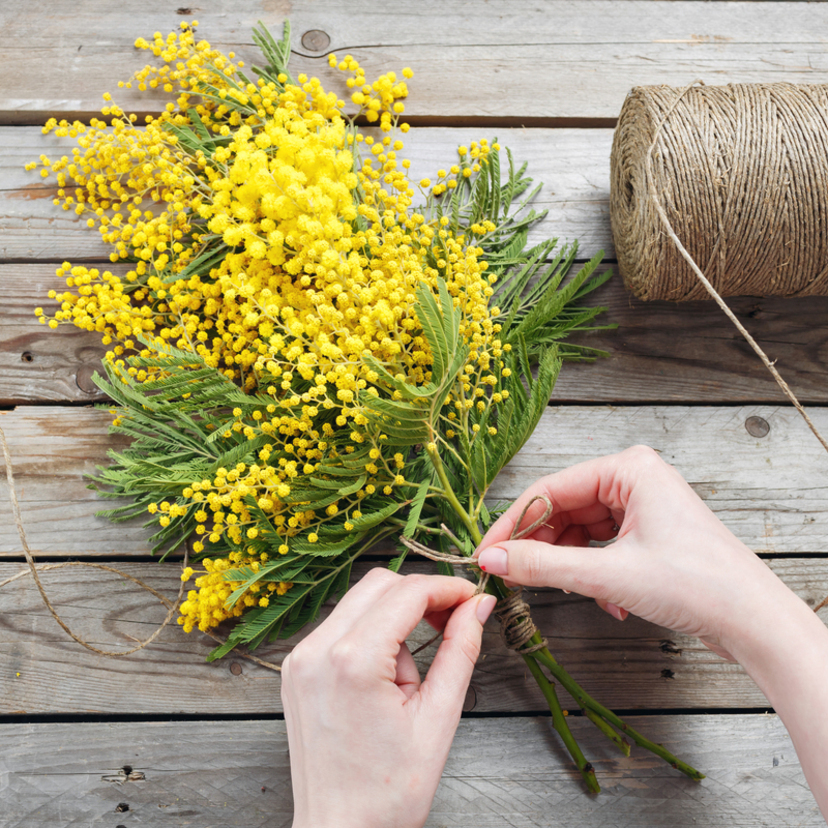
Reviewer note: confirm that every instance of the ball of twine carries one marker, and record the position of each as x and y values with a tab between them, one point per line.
742	174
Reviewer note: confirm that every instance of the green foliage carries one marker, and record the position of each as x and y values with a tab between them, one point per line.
178	421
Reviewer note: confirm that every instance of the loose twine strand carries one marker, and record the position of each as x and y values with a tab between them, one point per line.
34	569
706	282
516	625
811	268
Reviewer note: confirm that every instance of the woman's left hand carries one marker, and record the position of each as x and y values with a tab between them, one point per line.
368	740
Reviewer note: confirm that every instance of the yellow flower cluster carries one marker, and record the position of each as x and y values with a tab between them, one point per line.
314	253
206	606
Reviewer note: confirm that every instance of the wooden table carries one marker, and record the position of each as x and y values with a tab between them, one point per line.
162	737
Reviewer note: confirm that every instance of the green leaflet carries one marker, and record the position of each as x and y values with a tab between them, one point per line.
416	509
326	549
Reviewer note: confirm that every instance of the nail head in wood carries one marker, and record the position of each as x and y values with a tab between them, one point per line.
236	668
315	40
757	426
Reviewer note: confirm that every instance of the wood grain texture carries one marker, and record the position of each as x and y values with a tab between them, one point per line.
499	772
770	491
551	60
630	665
707	362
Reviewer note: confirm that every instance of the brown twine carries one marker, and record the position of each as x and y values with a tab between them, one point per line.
696	270
33	570
743	169
516	625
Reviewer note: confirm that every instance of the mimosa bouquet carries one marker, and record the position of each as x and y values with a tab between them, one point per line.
310	352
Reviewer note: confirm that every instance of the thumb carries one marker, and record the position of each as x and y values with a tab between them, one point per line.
443	691
587	571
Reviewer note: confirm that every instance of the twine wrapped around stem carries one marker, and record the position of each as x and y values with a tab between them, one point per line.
516	626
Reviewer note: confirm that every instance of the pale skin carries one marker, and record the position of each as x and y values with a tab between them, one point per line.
368	740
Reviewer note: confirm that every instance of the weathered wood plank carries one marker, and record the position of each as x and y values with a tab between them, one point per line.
38	364
771	491
630	665
499	772
552	60
707	363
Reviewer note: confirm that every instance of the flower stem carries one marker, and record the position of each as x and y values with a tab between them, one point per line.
623	744
587	702
560	724
449	494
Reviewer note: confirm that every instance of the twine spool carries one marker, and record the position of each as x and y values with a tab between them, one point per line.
742	173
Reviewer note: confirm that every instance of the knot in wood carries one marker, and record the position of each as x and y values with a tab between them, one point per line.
757	426
316	40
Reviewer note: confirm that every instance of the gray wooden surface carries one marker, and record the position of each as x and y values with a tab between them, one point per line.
513	62
500	772
547	79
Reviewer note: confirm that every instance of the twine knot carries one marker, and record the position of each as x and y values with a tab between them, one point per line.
516	625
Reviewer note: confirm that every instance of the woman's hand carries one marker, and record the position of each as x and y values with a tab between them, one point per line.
673	562
368	740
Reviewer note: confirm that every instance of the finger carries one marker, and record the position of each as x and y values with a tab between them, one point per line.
358	600
443	691
582	535
594	572
590	514
576	535
613	609
595	520
593	485
388	622
408	676
438	620
603	530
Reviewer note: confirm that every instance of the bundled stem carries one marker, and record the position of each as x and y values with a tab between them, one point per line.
536	654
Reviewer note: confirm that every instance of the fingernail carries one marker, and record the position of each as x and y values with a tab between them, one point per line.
617	612
493	561
484	607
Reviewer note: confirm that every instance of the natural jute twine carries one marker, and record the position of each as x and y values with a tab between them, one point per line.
742	174
34	569
516	625
734	177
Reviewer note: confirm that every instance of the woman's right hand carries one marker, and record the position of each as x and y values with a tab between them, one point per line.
673	562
